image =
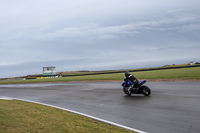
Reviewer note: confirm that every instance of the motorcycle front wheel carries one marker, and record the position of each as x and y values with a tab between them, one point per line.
145	90
126	92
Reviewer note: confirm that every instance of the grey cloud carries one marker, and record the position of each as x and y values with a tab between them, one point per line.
95	31
97	35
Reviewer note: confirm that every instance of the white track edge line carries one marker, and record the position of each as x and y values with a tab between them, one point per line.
79	113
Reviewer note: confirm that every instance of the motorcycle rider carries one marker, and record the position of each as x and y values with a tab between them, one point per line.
132	79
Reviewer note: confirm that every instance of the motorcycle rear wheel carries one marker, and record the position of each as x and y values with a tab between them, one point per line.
145	90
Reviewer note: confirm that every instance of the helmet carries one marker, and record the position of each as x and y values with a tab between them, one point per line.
127	73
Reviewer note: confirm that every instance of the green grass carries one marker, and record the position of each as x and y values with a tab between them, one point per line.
181	73
22	117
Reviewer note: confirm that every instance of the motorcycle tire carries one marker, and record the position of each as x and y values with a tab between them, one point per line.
145	90
126	92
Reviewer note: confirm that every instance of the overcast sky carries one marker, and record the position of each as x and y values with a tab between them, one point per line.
96	34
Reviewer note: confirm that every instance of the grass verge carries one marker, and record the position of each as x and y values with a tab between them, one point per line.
22	117
180	73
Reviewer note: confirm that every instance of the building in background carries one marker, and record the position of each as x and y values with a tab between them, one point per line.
192	63
49	71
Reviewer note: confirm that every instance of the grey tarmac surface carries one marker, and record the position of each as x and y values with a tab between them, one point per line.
173	107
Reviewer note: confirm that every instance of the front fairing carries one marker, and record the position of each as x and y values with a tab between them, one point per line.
128	83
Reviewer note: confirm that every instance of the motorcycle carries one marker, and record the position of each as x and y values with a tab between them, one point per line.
139	88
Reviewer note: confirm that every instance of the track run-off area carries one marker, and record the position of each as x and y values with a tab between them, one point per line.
171	107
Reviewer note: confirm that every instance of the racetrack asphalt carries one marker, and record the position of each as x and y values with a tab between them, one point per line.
173	107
